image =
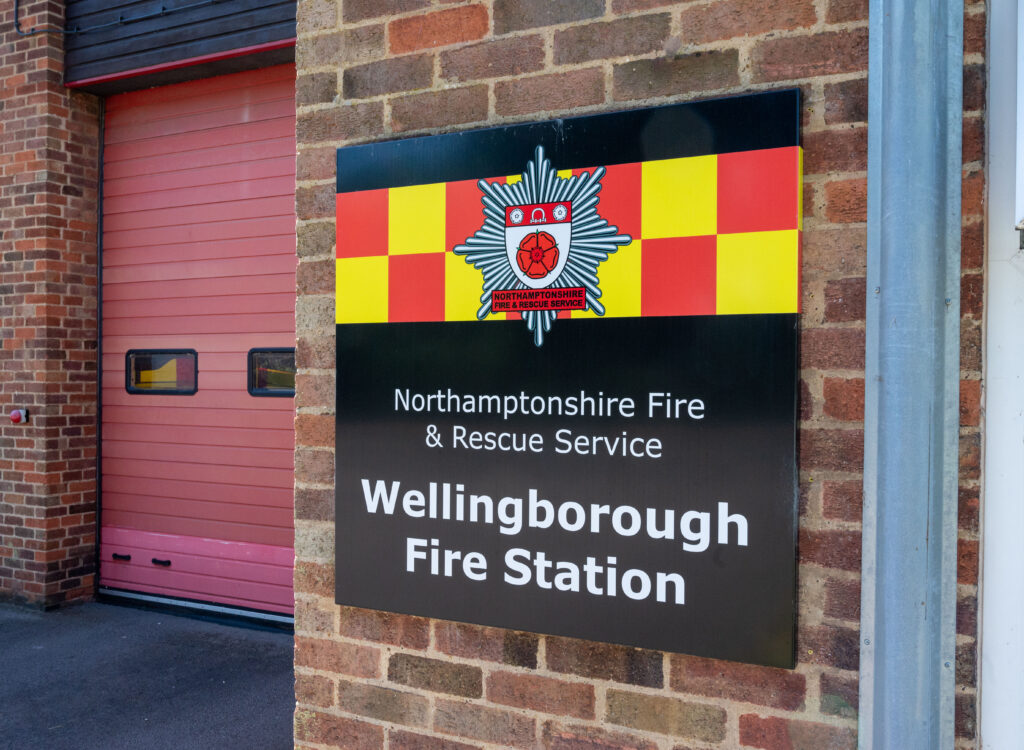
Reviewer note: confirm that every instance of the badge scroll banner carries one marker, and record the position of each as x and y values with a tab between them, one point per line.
699	299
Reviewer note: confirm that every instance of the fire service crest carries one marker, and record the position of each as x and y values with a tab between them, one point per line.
540	245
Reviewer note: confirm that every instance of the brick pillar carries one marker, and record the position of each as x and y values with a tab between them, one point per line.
49	156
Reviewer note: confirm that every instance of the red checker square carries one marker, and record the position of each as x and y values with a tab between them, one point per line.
362	224
415	287
463	212
620	198
677	276
759	191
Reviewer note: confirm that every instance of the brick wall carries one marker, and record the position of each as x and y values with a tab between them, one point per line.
971	321
374	69
48	174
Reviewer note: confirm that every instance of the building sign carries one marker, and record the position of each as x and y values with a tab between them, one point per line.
567	377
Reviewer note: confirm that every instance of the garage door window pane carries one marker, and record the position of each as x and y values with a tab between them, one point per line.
161	371
272	372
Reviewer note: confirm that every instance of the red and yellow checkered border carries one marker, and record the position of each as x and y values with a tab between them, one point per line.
712	235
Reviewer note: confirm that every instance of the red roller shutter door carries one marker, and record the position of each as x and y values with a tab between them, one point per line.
199	253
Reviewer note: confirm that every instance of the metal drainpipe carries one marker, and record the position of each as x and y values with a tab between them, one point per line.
908	600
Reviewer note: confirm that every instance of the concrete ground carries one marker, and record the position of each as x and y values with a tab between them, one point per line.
106	677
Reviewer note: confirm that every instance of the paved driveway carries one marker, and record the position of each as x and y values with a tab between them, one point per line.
113	678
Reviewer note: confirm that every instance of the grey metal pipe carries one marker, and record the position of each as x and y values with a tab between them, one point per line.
908	601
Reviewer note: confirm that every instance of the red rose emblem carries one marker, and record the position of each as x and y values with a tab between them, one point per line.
538	255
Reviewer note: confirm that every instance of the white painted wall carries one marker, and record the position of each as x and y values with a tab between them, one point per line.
1002	583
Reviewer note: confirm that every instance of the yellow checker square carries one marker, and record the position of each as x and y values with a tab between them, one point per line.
463	285
679	197
416	216
361	290
620	284
758	272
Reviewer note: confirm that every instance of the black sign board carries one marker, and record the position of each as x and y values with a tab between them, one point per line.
567	368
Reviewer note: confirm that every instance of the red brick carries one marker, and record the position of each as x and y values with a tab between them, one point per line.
542	694
314	616
315	164
653	713
489	644
832	348
974	33
337	731
842	500
315	390
484	723
841	11
608	39
839	696
967	616
357	120
438	29
966	719
787	734
361	10
314	504
973	139
821	54
829	645
748	683
845	300
972	245
389	76
970	345
972	294
335	656
831	549
842	599
515	15
967	561
970	456
846	101
842	150
313	689
675	76
846	201
972	201
382	703
403	740
341	48
968	507
384	627
605	661
314	351
629	6
314	466
556	91
727	19
316	88
974	84
436	675
831	450
844	399
314	430
966	664
558	737
970	402
316	238
437	109
834	252
496	58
